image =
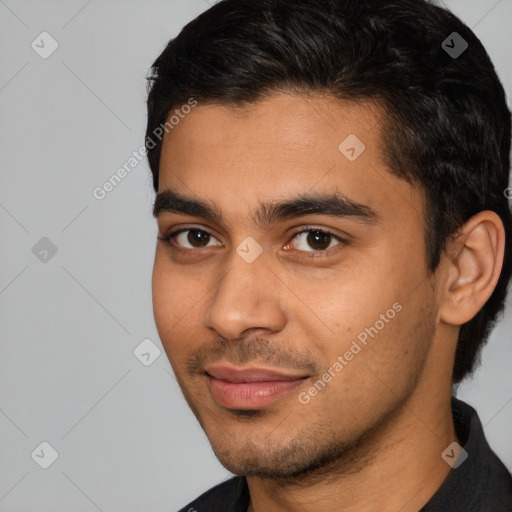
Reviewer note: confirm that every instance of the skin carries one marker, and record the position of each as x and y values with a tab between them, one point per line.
373	438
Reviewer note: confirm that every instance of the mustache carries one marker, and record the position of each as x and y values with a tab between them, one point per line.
255	350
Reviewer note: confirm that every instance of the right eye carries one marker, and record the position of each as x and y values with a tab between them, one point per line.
197	238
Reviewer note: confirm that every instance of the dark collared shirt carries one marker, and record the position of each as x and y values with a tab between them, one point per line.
480	484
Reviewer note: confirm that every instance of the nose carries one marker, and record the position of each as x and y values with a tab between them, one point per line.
248	296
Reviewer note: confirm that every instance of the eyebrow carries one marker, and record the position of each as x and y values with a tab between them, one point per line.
336	205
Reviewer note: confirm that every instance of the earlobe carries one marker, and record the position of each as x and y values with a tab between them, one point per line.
475	260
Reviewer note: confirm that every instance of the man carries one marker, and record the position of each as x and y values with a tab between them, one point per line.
334	249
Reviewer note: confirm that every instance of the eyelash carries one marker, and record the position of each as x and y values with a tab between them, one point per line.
168	238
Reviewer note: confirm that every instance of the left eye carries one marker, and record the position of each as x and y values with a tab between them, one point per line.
317	239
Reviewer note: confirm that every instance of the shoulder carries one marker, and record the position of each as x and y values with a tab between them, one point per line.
229	496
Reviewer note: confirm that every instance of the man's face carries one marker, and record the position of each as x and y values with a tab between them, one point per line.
255	315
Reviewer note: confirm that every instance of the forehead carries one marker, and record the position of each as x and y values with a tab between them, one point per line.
286	145
293	126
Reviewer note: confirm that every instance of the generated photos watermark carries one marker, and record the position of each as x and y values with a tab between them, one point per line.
100	192
356	347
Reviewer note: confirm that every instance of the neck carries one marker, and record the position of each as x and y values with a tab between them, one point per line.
398	467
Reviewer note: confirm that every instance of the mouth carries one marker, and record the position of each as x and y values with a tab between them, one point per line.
251	387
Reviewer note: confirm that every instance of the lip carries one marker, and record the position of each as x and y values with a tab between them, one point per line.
251	374
250	387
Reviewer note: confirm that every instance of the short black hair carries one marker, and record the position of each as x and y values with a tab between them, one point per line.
447	125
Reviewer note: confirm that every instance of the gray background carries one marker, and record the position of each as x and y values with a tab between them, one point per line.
69	325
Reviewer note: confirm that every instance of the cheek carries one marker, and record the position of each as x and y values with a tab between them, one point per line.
378	303
162	293
178	301
170	299
381	361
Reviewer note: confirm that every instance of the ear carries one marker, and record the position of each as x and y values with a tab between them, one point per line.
475	258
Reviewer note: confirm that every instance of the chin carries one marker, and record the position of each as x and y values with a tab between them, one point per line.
296	459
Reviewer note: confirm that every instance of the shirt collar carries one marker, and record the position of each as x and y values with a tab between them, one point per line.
481	482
